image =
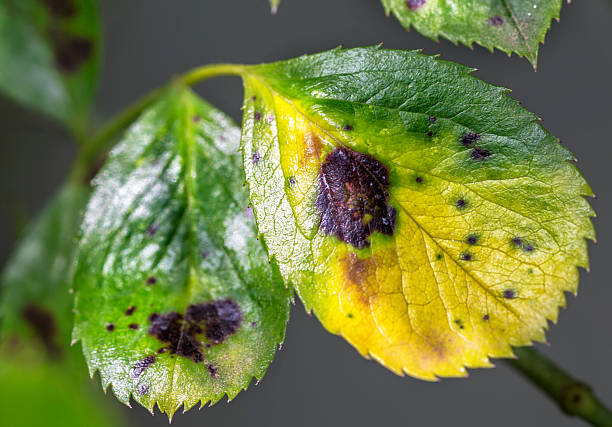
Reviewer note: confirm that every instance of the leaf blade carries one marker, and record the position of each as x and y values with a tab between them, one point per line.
50	54
167	224
432	296
37	363
512	26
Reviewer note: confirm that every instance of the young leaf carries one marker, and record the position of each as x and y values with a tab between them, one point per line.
517	26
49	51
176	302
420	212
37	364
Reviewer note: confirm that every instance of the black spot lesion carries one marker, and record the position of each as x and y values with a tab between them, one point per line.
60	8
519	243
353	197
470	139
461	203
459	323
466	256
415	4
42	323
216	321
480	154
496	21
70	51
142	365
509	294
472	239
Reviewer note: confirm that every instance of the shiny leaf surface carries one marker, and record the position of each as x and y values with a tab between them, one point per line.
176	302
421	213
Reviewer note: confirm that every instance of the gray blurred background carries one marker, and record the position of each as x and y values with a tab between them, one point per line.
318	379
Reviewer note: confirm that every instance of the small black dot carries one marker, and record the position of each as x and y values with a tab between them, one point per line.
439	257
347	128
432	119
256	157
133	326
419	179
257	116
143	389
517	241
528	248
429	134
466	256
350	315
509	294
152	229
292	181
205	254
151	280
472	239
485	317
461	203
496	21
254	98
110	327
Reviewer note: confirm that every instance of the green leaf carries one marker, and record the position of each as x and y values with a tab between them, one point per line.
37	365
36	303
517	26
176	302
419	212
50	52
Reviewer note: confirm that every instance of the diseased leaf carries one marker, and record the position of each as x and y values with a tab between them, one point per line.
49	56
419	212
176	302
37	365
517	26
36	304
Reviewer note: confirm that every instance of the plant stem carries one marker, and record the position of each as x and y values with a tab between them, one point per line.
573	397
96	145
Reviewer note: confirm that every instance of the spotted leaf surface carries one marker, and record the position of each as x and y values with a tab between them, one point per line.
176	302
36	361
419	212
512	26
49	55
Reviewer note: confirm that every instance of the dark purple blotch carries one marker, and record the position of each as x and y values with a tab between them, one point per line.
353	197
415	4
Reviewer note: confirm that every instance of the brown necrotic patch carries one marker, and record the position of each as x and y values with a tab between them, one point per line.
60	8
312	148
353	198
216	320
44	327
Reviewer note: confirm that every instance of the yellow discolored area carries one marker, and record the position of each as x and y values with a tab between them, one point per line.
466	274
